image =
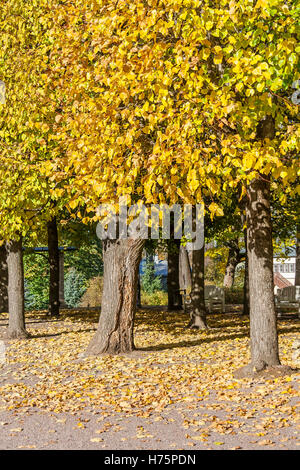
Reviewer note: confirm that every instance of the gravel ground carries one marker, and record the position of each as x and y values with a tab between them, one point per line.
170	429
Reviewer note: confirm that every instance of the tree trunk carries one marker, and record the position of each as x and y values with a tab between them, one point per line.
198	313
263	328
62	303
16	318
232	262
119	298
246	299
297	278
3	280
174	297
185	275
53	253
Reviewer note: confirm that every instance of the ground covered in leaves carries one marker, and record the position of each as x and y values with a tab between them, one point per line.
176	391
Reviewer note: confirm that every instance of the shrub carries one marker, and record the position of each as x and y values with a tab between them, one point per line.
234	295
93	294
155	298
149	281
36	282
75	287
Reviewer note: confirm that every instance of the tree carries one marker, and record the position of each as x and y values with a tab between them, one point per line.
53	252
115	329
28	129
198	313
174	296
174	95
263	328
160	102
232	262
185	275
264	343
16	319
85	257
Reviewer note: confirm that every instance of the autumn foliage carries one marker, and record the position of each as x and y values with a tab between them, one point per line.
185	101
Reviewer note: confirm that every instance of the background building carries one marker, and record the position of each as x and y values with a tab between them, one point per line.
284	270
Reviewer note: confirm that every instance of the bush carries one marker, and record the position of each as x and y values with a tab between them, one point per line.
155	298
75	287
149	281
234	295
36	282
80	265
93	294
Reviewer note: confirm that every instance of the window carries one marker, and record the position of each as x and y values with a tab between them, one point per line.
292	268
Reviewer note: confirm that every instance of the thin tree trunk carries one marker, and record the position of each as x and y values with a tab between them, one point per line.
297	278
62	303
232	262
16	318
121	265
246	296
174	297
53	252
185	275
198	312
3	280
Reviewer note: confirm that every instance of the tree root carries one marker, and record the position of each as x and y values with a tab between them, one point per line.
17	334
263	371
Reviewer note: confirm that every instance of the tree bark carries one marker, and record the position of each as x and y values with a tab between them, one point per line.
53	253
297	277
198	312
121	266
16	318
174	297
3	280
232	262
